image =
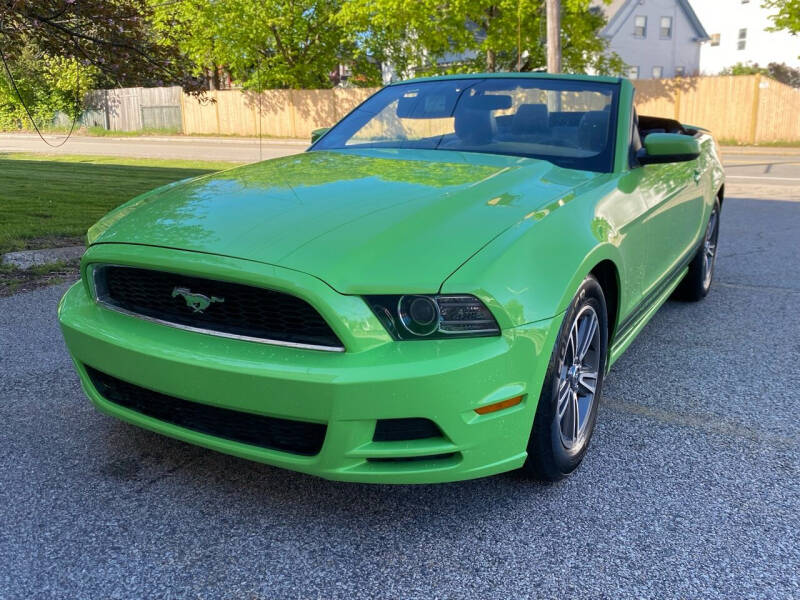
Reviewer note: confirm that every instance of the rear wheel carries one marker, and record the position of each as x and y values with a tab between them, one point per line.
567	409
697	282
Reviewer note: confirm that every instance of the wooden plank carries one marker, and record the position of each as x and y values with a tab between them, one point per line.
743	109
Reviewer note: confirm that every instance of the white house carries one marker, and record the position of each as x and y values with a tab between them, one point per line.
737	29
656	38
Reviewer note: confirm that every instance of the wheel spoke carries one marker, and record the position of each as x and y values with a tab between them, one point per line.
587	335
573	341
576	415
588	381
563	396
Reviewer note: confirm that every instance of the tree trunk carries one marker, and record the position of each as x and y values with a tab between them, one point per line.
214	83
490	61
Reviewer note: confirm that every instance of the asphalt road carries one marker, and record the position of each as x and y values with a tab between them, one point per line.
745	165
691	488
758	166
189	148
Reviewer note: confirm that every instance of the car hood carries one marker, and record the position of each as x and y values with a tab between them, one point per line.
388	221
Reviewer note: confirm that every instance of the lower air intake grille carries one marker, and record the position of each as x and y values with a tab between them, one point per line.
213	306
397	430
297	437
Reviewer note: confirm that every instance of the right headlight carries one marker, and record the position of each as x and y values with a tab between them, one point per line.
424	316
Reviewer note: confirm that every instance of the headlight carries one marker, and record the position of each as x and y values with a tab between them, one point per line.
418	316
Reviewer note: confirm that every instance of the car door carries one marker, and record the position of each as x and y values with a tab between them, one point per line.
673	195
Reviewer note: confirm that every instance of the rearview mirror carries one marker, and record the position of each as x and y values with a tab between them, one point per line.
318	133
668	148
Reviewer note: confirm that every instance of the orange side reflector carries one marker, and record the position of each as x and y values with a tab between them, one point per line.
503	404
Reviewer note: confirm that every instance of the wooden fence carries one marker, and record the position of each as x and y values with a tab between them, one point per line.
747	109
134	109
283	113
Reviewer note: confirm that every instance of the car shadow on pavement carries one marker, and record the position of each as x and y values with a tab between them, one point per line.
141	460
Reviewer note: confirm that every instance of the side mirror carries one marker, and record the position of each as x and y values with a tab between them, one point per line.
668	148
318	133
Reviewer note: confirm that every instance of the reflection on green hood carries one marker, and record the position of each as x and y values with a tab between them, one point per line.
363	221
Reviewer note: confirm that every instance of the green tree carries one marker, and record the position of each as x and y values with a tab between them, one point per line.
46	84
777	71
263	43
421	34
405	34
788	16
115	37
741	68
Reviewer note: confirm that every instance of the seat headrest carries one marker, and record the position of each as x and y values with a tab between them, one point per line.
530	118
593	130
475	127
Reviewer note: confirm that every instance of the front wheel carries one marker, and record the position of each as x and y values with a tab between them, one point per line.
567	409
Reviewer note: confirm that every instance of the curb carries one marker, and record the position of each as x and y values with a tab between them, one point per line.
771	150
26	259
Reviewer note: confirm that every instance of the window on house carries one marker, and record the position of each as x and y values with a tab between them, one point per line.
658	72
665	31
633	73
680	71
742	39
715	39
640	27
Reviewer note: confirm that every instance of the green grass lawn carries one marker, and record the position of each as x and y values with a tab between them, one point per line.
48	200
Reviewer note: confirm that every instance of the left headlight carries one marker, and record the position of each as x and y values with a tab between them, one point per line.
420	316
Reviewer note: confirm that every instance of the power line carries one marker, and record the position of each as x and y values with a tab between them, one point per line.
25	106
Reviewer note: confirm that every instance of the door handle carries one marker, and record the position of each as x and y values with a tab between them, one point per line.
697	175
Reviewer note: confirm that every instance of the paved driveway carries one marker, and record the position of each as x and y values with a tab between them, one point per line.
691	488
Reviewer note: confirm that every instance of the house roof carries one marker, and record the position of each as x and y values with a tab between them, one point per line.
608	10
620	10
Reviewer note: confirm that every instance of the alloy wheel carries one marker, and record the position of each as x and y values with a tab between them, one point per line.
710	249
577	384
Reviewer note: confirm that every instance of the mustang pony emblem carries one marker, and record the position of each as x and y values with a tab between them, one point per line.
197	302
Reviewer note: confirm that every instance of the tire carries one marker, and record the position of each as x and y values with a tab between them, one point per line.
555	448
697	282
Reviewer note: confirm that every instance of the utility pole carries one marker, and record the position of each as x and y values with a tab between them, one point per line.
553	36
519	36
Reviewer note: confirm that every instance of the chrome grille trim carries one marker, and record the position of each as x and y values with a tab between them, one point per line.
97	267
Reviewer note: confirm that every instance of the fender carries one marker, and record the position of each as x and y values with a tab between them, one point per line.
556	247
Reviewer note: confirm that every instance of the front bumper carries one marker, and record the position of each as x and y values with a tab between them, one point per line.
377	378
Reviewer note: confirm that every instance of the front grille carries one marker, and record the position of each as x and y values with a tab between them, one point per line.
221	307
297	437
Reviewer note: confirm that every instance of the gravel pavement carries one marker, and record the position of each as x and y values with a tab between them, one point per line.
690	489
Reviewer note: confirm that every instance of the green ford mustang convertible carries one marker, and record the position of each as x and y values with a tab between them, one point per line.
432	292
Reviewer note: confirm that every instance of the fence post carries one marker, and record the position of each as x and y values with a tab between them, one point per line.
106	110
183	112
216	109
754	112
291	111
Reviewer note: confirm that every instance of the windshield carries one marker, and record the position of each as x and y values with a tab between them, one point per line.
569	123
